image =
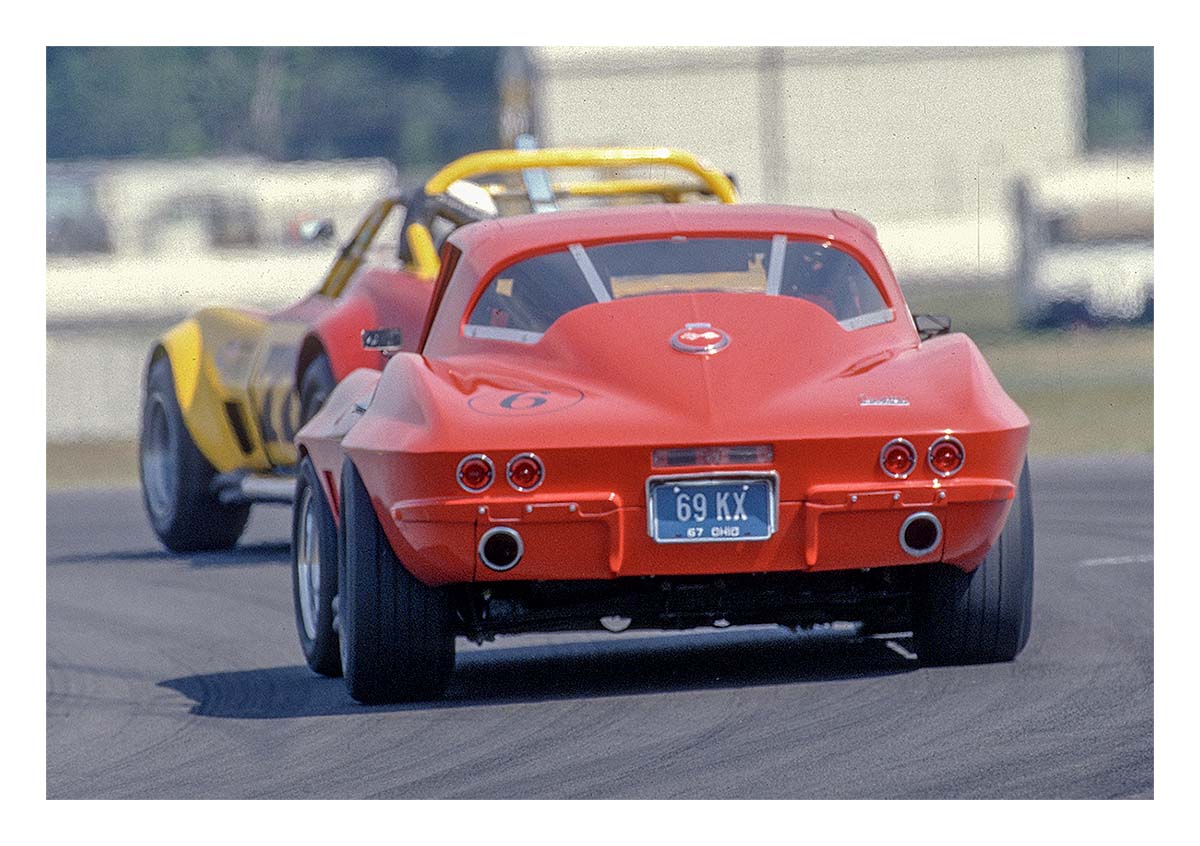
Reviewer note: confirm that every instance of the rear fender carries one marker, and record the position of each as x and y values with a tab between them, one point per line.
321	437
211	355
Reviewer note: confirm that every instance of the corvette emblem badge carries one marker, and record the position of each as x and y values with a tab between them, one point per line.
700	338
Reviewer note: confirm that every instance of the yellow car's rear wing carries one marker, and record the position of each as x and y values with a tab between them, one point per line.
509	161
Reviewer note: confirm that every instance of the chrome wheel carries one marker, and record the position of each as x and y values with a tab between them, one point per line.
308	563
158	458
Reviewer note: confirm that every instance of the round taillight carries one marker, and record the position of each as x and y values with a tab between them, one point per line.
476	473
946	456
525	471
898	458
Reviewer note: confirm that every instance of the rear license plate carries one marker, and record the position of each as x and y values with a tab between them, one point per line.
712	509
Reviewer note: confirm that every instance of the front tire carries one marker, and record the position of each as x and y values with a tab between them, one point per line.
984	616
314	573
316	384
397	633
177	479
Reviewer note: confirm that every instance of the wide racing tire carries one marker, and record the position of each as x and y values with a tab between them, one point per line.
314	572
397	633
984	616
177	480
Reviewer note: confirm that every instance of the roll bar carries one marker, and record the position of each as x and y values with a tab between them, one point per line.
508	161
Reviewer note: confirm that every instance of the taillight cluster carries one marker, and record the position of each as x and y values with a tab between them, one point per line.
898	458
476	472
525	471
945	457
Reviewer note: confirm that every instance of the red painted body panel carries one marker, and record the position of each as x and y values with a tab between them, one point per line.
603	388
374	298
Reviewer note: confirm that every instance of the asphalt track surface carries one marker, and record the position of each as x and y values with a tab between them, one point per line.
178	676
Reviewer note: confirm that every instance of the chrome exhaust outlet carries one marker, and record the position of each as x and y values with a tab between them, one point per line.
920	534
501	549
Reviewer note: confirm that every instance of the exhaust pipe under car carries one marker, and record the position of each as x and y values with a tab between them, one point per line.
920	534
501	548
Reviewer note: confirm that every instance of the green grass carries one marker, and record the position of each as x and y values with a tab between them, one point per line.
91	464
1085	390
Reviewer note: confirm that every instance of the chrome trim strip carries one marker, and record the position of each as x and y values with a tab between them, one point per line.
929	456
458	472
775	264
907	443
871	318
917	553
541	477
717	477
501	333
589	273
501	530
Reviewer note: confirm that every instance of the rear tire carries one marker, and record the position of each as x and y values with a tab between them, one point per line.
177	479
397	633
316	384
314	572
984	616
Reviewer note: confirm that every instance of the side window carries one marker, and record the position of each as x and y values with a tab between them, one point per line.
531	294
822	274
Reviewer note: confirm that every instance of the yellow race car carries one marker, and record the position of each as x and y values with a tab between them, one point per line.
227	389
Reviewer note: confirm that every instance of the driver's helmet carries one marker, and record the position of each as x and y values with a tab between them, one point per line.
814	275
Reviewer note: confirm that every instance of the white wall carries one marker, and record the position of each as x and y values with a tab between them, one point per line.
923	142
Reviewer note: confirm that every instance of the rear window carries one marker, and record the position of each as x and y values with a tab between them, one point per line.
523	300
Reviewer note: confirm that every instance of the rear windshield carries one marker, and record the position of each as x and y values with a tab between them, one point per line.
524	299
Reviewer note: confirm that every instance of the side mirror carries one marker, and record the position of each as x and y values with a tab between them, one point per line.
931	325
386	341
314	230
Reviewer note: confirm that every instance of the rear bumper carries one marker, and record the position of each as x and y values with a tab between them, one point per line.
594	536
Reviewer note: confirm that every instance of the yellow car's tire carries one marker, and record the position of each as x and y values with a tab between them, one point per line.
177	480
984	616
397	633
314	572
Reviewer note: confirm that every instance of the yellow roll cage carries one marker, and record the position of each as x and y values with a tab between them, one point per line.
509	161
494	162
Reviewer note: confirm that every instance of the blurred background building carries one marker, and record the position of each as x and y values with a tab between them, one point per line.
177	177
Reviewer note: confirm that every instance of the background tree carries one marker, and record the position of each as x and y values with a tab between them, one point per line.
417	106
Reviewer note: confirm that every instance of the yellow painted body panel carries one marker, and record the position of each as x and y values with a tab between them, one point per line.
212	355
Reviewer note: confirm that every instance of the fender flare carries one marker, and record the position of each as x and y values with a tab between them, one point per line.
214	405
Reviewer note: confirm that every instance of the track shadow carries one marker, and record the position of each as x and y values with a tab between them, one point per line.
240	556
624	667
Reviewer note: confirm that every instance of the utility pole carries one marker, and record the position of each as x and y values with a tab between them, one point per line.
772	117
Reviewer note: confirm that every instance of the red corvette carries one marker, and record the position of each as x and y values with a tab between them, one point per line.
662	417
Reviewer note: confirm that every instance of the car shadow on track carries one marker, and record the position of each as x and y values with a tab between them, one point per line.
625	667
241	556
